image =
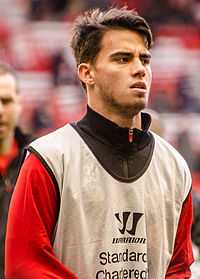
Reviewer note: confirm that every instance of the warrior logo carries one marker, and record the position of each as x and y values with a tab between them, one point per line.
124	221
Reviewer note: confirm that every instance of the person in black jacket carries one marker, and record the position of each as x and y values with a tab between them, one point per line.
12	142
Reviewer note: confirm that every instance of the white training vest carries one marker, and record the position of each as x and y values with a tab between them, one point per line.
109	229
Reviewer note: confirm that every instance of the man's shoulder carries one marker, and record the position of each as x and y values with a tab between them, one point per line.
172	161
168	152
164	145
57	134
54	149
56	140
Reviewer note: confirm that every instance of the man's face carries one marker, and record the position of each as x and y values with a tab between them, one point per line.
122	73
9	105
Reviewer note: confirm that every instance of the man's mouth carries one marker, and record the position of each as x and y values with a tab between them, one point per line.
139	85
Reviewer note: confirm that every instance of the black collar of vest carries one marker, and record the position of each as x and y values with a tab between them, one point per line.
110	133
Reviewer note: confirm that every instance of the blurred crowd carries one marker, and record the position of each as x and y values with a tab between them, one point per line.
178	11
34	38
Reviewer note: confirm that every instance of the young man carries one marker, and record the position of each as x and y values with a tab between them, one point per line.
104	198
12	141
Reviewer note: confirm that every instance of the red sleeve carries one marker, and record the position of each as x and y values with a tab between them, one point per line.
32	218
182	258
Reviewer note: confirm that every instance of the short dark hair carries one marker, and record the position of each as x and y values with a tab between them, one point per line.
8	69
90	27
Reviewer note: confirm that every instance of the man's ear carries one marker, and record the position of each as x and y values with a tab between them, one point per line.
85	74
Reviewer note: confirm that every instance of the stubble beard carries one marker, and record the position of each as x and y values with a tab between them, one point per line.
125	110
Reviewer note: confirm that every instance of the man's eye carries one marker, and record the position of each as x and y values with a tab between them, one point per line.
145	60
123	59
6	101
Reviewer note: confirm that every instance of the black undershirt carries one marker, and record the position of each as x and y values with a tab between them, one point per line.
125	161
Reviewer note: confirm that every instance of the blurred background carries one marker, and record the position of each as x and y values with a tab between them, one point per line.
35	36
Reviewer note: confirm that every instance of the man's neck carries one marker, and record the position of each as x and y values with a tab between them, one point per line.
6	144
124	121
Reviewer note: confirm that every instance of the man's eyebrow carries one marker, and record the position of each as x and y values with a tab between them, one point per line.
6	98
129	54
121	53
145	55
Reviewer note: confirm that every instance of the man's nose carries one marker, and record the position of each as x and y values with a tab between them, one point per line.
138	68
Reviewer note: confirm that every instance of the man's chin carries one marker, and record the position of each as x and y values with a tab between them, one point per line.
134	109
129	108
